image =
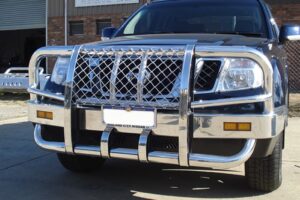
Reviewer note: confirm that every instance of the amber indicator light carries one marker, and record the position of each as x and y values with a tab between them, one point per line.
237	126
44	115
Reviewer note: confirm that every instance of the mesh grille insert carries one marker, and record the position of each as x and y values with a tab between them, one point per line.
138	77
207	77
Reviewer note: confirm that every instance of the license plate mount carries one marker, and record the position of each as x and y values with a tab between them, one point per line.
129	117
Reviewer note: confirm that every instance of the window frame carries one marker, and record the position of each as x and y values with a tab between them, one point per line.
99	21
71	31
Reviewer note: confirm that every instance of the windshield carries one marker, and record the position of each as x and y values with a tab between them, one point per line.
203	16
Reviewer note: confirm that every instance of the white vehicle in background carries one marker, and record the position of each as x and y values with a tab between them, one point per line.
15	79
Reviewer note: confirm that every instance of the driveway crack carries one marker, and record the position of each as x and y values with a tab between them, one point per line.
26	161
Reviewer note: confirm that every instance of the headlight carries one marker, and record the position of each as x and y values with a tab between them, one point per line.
59	74
240	74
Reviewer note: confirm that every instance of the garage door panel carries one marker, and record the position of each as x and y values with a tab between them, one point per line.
22	14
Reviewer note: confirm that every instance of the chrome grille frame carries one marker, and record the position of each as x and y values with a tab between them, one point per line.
139	76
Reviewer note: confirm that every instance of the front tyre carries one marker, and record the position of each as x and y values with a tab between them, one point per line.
265	174
80	164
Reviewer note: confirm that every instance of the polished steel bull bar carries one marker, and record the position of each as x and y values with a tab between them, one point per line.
143	155
183	157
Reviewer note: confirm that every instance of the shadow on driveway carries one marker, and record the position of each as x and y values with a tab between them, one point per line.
156	181
27	172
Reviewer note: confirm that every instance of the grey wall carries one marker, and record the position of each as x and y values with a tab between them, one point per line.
22	14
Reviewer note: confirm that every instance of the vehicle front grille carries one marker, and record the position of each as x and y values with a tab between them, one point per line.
205	80
128	76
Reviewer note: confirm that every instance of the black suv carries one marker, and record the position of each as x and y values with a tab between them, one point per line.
199	83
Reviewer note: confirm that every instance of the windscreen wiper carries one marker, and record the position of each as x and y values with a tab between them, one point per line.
250	34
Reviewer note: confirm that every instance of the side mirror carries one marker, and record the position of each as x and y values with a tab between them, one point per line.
107	33
289	32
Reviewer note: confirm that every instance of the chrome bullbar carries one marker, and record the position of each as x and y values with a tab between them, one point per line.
180	122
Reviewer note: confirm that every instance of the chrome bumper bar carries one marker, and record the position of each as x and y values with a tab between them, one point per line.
52	146
34	68
142	154
270	123
42	93
209	126
231	101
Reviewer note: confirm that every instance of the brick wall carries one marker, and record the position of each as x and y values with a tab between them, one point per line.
286	13
290	13
56	31
56	28
293	52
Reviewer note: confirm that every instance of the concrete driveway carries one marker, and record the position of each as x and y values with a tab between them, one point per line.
26	172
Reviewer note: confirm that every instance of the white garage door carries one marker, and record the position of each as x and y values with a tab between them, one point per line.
22	14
